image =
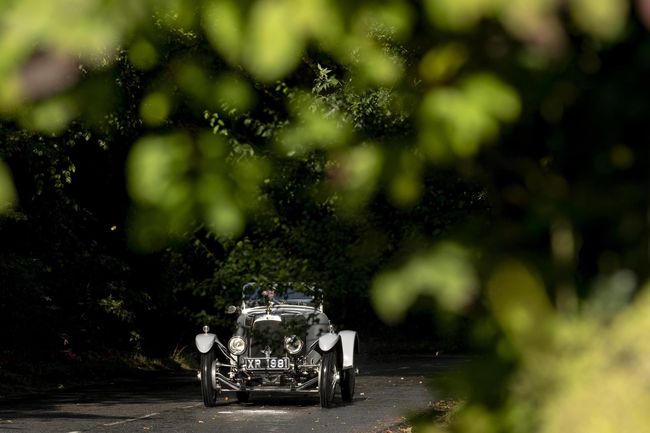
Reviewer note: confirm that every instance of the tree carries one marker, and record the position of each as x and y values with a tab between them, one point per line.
514	98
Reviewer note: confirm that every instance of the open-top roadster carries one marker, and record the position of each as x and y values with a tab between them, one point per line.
283	342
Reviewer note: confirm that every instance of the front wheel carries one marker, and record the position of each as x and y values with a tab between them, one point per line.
327	379
208	391
348	379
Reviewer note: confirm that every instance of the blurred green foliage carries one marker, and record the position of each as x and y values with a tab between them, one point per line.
7	191
483	157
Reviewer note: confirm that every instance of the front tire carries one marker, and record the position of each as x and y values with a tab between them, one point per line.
348	380
327	378
209	393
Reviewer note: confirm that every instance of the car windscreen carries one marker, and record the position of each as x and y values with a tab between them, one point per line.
255	294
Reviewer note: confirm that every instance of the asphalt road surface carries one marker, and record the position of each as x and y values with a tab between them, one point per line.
385	391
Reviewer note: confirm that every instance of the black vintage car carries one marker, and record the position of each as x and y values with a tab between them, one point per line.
283	342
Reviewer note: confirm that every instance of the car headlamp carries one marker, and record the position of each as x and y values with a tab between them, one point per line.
293	344
237	345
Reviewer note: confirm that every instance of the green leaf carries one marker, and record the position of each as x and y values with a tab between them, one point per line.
143	54
223	24
459	15
604	19
157	169
446	274
155	108
519	303
274	43
8	195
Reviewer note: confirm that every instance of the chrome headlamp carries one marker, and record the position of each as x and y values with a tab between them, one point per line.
237	345
293	344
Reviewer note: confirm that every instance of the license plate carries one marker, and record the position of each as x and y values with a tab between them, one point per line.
267	363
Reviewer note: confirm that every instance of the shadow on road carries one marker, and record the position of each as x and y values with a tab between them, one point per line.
157	388
409	365
152	389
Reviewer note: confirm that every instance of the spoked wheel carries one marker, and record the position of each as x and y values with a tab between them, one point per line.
209	393
348	379
242	396
327	378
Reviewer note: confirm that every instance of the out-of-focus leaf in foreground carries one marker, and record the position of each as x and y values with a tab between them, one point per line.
275	41
158	166
519	304
176	180
595	377
223	24
455	122
7	190
583	372
604	18
86	30
353	176
155	108
314	127
445	274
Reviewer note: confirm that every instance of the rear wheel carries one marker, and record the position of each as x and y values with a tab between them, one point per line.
348	379
327	378
208	391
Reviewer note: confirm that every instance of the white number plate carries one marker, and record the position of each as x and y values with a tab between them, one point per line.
267	363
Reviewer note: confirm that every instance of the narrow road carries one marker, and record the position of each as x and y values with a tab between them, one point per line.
386	390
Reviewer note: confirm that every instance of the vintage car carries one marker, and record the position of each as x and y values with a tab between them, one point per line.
283	342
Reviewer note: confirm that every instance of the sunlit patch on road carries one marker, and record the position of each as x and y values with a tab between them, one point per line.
255	412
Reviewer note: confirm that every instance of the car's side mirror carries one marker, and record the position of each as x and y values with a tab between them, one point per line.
231	309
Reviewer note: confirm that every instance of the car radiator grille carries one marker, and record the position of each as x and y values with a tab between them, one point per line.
267	333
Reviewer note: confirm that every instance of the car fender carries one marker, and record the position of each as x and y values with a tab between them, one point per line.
350	346
327	342
204	342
